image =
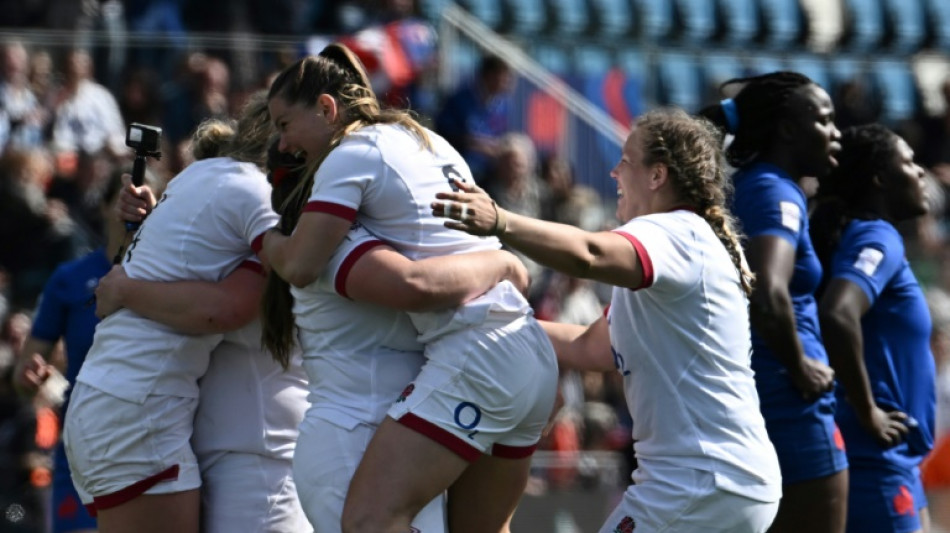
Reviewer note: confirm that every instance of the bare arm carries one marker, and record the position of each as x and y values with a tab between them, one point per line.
581	347
385	277
842	306
771	313
602	256
190	307
301	257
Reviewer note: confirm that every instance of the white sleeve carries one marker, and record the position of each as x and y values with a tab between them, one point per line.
670	255
356	243
348	174
249	213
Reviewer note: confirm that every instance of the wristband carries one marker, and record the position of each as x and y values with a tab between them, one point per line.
501	223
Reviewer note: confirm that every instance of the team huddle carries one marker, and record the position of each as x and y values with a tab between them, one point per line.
317	328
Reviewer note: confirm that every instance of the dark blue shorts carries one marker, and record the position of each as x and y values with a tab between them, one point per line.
68	512
809	445
884	499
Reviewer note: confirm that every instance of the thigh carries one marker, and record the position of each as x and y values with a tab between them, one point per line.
484	498
154	513
819	505
251	493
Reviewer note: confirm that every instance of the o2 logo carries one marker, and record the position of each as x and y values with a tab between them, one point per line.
451	173
618	357
467	417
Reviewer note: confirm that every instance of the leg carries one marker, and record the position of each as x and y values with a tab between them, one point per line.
400	473
483	499
818	505
154	513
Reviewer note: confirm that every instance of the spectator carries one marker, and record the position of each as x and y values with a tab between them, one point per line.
476	115
87	117
18	104
564	200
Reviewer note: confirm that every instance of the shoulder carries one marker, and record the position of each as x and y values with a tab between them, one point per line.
878	233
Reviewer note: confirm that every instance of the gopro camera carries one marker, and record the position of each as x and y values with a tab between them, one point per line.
144	139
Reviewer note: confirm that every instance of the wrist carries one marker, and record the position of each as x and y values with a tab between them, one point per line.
501	221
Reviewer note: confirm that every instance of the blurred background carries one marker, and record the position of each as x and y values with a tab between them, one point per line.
536	94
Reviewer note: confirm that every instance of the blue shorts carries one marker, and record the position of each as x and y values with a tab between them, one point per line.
809	445
69	514
884	499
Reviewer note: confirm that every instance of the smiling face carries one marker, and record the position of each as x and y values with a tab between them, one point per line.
634	179
815	138
903	182
304	131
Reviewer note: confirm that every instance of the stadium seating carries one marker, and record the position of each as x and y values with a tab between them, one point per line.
812	66
866	29
656	19
938	13
785	23
679	82
526	17
908	26
894	82
740	20
489	12
569	17
612	18
697	20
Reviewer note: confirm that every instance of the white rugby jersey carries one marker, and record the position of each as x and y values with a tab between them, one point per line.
358	356
682	343
248	403
211	217
383	177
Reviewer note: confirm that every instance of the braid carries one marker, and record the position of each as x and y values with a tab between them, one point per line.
723	225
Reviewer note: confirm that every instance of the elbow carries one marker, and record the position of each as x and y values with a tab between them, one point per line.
418	296
300	278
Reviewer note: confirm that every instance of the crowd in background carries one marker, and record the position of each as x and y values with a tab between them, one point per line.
63	115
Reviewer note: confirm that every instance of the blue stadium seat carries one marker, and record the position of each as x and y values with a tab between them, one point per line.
592	60
679	81
698	19
866	29
639	91
784	22
812	66
938	12
612	18
656	19
763	64
528	17
908	23
432	9
552	57
718	68
895	84
569	17
490	12
741	20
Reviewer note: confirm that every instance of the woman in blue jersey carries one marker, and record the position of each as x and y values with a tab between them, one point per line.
783	130
876	326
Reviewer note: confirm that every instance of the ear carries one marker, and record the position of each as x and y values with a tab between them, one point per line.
786	130
661	174
327	106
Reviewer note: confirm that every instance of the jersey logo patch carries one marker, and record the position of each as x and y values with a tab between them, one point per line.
627	525
904	502
868	260
791	215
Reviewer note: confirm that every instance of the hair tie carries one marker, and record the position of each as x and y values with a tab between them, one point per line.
732	115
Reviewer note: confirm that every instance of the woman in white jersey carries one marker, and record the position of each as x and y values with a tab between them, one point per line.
677	328
128	431
358	356
473	416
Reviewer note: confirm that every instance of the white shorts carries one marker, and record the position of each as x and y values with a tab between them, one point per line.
686	501
251	493
118	449
326	458
488	390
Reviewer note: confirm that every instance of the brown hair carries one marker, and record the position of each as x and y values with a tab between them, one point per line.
245	139
336	71
690	149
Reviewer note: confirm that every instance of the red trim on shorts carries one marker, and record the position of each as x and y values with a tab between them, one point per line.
606	310
513	452
330	208
131	492
340	282
253	266
258	243
645	262
460	447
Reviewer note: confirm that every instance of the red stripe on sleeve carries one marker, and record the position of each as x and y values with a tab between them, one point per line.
645	262
340	282
258	243
347	213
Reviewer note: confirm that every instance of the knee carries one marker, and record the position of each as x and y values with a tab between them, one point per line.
361	519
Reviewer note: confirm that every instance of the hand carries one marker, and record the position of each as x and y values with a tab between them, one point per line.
472	208
109	292
518	273
887	427
30	374
812	378
135	203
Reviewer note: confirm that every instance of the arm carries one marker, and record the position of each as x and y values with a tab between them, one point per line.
300	257
841	309
385	277
581	347
602	256
770	311
190	307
